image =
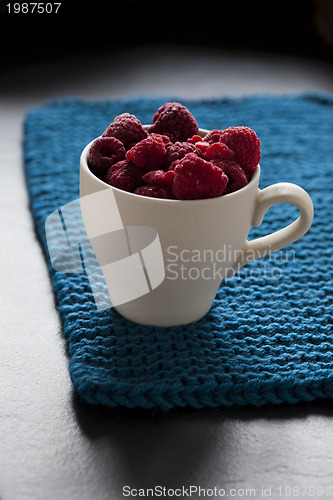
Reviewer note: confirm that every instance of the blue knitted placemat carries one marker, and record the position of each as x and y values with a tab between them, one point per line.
267	338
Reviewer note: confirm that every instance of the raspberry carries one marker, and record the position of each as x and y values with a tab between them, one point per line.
213	136
245	144
177	151
196	178
155	192
103	153
164	138
218	150
127	129
159	184
124	175
159	178
235	174
173	165
201	148
171	160
174	119
194	139
148	154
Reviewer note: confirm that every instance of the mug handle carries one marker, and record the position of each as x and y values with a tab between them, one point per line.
283	192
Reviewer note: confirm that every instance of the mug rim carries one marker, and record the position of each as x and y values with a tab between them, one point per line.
148	199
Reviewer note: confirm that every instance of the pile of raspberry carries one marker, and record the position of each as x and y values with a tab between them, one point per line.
170	159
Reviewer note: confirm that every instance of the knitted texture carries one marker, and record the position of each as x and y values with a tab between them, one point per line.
267	338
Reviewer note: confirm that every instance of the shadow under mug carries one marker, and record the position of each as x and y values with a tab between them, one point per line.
207	234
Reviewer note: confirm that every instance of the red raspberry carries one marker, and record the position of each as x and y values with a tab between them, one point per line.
245	144
159	177
194	139
174	119
196	178
177	151
148	154
166	139
103	153
155	192
124	175
218	150
236	175
201	148
213	136
127	128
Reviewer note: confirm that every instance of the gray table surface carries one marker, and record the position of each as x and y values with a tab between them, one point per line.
52	445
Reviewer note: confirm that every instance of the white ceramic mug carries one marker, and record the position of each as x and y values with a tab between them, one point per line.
210	235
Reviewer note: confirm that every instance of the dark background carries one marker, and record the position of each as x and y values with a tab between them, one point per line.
302	27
